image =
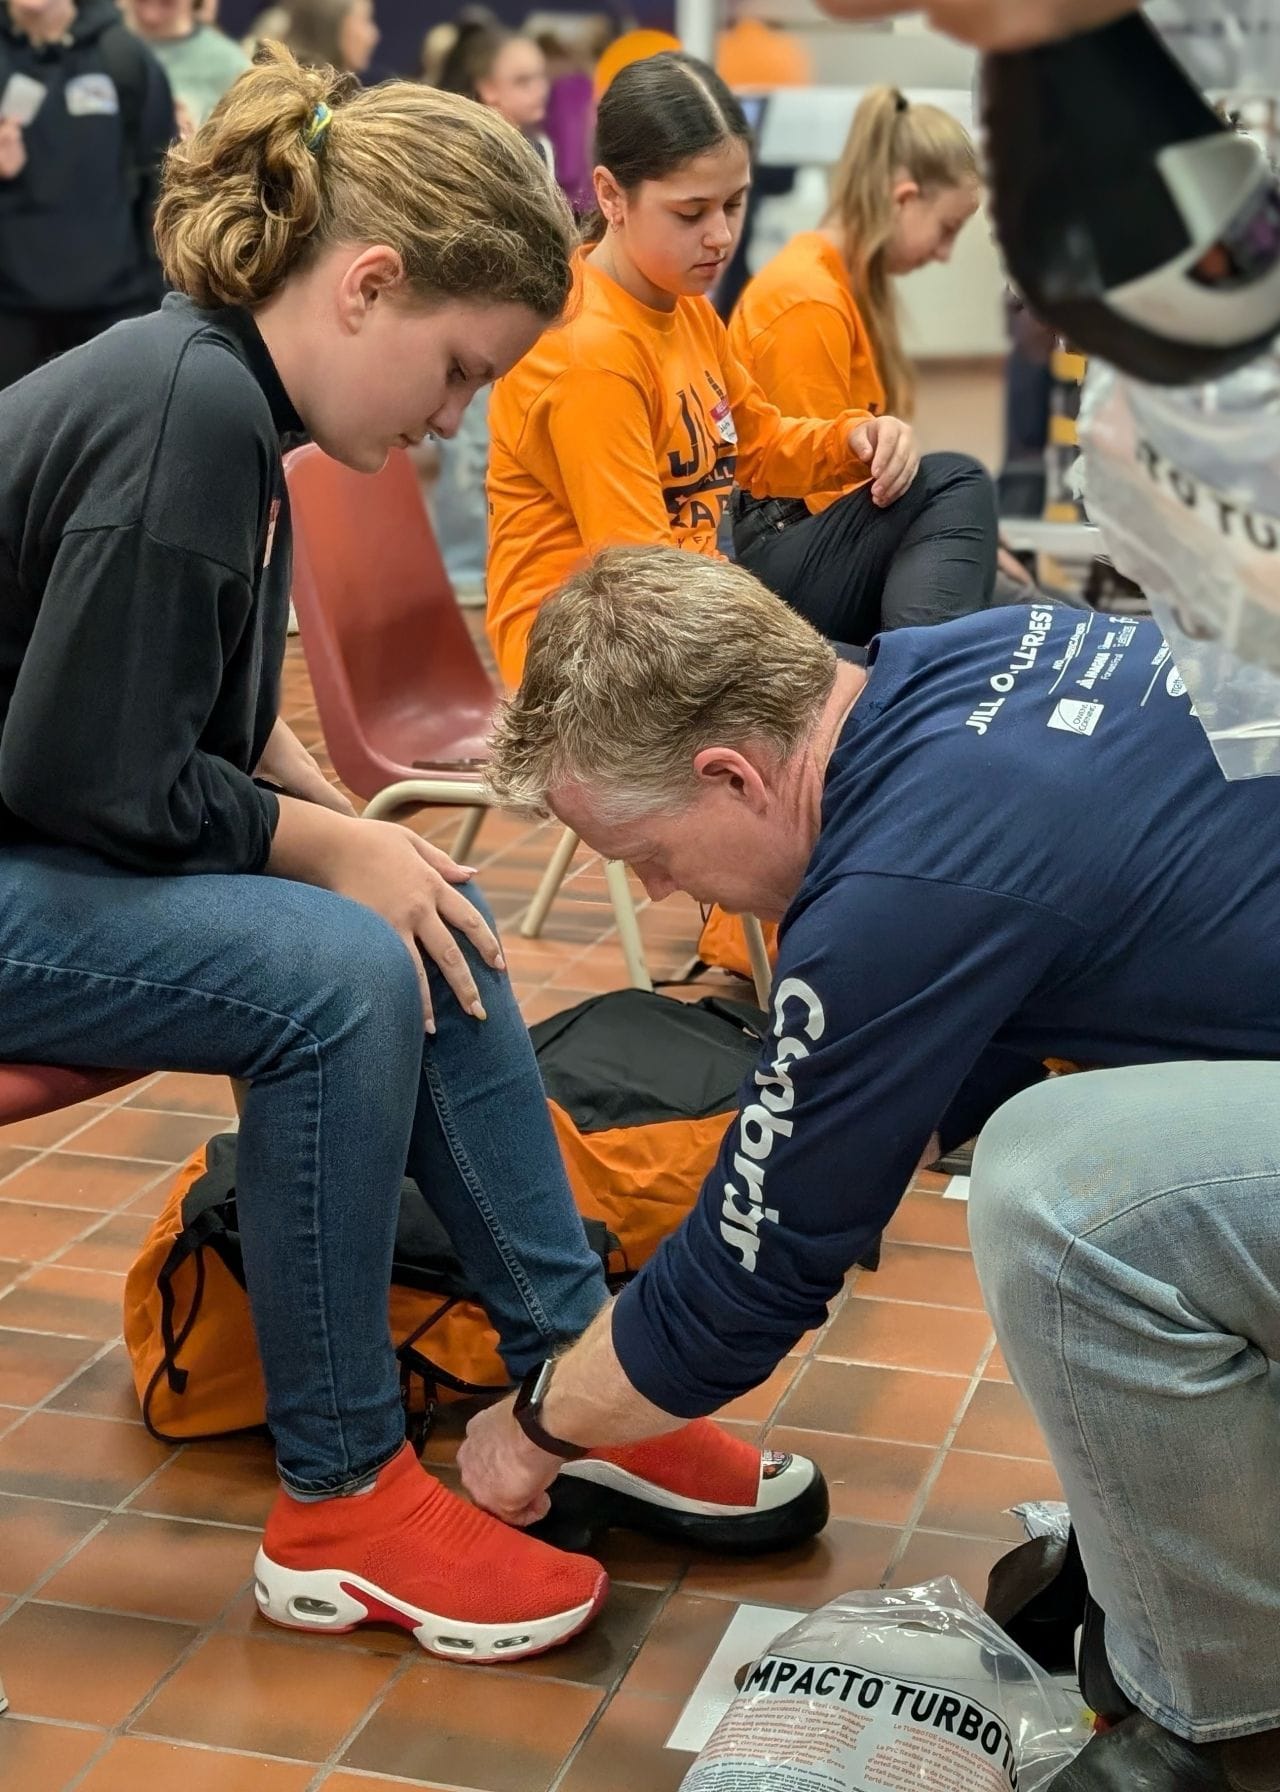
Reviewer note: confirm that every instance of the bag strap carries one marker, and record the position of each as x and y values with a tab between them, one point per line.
415	1365
189	1243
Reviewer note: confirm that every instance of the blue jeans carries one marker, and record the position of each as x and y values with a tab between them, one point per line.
1126	1227
314	1002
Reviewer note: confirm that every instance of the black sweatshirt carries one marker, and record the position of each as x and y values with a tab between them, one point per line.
144	593
75	224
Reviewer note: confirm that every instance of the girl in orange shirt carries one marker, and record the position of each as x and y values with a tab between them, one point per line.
633	421
818	328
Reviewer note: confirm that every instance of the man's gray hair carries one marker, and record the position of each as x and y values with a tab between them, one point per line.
638	662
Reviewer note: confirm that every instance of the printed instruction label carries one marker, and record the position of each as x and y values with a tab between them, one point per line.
829	1726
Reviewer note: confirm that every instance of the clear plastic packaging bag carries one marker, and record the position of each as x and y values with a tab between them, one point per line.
1230	46
1044	1518
909	1689
1185	486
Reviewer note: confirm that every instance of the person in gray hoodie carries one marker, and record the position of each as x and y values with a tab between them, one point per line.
85	118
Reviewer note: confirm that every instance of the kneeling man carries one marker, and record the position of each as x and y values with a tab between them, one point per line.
1004	838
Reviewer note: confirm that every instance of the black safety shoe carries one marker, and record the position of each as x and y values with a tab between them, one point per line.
1138	1756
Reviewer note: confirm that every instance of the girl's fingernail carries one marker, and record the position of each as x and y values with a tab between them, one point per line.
468	870
477	1008
499	963
431	1026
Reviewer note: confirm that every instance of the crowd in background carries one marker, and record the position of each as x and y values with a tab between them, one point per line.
88	262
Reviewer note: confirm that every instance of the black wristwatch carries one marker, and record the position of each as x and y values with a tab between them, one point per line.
528	1415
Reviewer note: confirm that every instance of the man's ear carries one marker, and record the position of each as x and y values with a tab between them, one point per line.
734	774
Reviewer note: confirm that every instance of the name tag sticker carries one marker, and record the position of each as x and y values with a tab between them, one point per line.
92	96
722	417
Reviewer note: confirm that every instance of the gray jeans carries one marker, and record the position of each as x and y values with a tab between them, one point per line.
1126	1227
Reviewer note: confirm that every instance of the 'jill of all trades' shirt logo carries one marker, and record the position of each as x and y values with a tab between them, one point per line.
701	467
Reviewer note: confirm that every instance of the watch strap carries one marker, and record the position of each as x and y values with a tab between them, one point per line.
528	1415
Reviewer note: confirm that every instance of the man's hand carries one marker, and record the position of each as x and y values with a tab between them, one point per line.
888	446
286	762
994	24
502	1470
13	150
590	1402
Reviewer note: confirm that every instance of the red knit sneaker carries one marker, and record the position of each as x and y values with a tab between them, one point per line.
411	1553
700	1486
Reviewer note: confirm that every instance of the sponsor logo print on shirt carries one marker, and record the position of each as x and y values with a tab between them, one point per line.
761	1123
92	96
1039	625
1075	717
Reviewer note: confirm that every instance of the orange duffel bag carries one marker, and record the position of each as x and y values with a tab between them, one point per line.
722	945
641	1088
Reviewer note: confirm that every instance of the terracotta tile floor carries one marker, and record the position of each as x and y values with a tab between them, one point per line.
130	1646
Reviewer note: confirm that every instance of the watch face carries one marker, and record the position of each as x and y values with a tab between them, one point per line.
533	1389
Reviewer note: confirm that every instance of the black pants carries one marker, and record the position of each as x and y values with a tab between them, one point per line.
854	570
30	338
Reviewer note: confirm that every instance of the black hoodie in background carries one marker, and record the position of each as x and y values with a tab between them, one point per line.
75	224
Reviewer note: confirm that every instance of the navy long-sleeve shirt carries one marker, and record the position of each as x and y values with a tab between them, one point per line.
144	593
1027	850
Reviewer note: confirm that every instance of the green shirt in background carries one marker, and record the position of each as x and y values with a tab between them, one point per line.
200	67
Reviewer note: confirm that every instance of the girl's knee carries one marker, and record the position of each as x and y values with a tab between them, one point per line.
349	967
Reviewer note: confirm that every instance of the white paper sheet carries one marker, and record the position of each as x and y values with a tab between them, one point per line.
751	1630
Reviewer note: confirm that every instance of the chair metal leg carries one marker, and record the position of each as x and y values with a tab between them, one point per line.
758	953
465	838
552	878
451	791
624	913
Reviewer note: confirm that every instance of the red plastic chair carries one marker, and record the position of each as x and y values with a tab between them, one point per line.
405	702
30	1089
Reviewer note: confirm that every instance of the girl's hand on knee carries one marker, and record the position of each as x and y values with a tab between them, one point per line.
439	860
410	883
888	446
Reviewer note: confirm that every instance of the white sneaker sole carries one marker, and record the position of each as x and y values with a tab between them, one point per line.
590	1497
326	1599
780	1490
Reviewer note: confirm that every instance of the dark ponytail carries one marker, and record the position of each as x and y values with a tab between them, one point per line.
472	55
658	114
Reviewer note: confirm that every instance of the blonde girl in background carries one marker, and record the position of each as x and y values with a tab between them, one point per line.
819	327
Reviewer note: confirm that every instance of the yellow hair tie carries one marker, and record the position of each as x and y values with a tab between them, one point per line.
316	128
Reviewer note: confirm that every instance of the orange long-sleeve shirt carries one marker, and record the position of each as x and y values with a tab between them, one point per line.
798	331
631	425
